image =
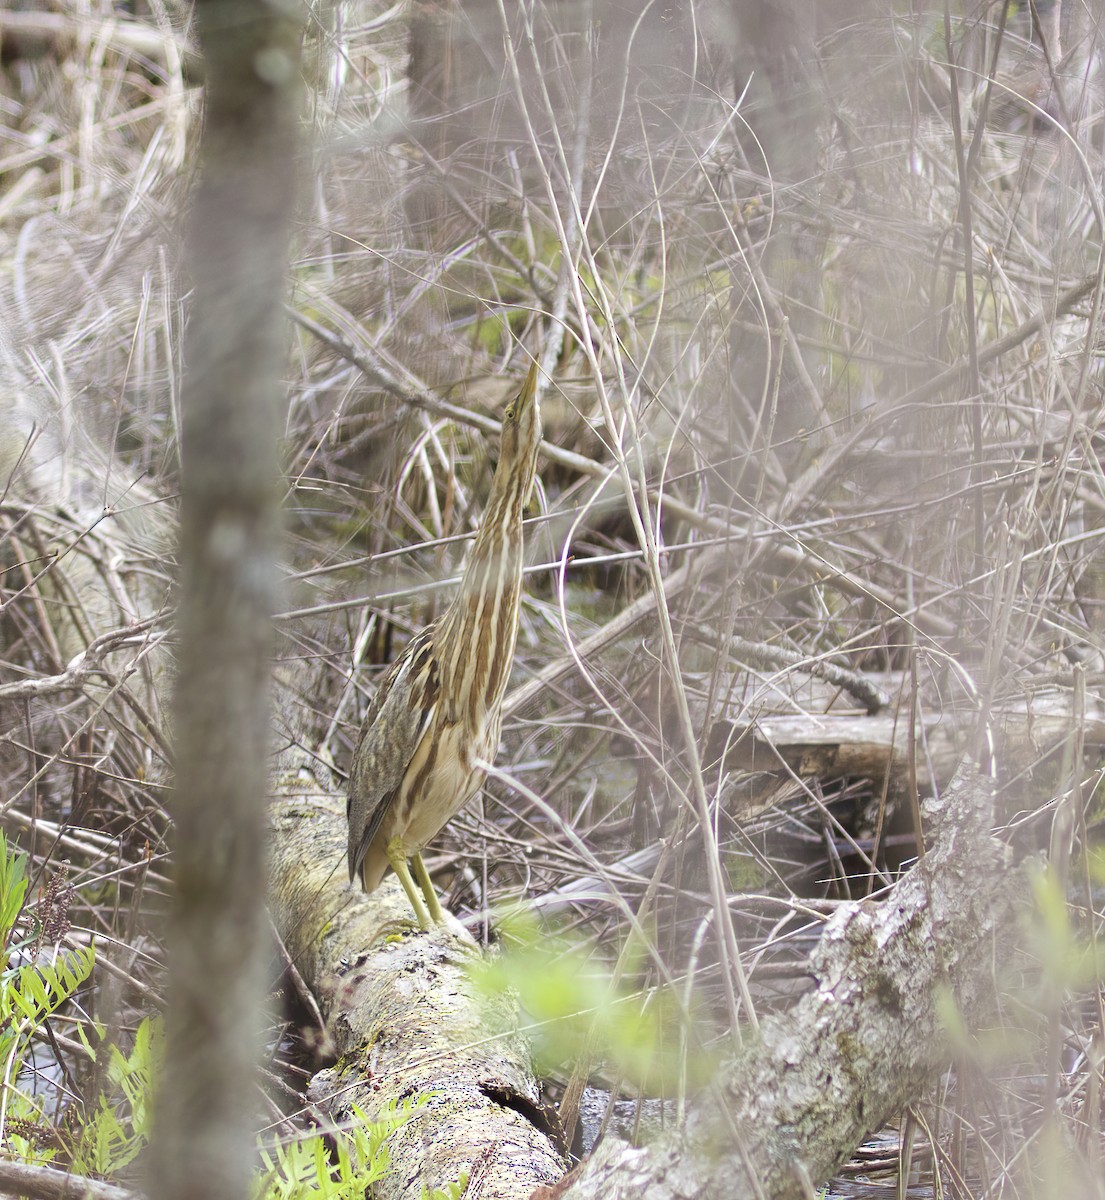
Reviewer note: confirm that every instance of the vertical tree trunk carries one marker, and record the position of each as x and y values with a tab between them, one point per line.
237	251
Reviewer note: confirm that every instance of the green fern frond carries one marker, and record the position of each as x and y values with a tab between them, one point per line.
37	990
358	1158
118	1131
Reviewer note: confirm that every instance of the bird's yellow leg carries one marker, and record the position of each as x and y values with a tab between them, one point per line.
423	877
398	862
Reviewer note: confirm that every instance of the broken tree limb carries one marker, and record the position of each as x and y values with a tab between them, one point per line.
48	1183
406	1018
1022	731
859	1047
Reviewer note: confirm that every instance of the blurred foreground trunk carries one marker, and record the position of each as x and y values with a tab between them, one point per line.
237	253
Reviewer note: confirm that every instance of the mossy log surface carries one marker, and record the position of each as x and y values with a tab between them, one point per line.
405	1016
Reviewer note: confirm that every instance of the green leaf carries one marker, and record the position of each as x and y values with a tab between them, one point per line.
13	888
575	1005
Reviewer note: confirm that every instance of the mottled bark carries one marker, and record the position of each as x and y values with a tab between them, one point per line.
48	1183
859	1047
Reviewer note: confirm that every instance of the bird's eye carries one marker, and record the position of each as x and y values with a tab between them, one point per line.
509	414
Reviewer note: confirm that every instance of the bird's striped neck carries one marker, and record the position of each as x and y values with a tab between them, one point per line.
477	632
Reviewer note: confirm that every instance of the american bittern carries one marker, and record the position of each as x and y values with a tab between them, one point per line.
435	718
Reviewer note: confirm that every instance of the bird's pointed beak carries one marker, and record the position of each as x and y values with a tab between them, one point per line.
529	388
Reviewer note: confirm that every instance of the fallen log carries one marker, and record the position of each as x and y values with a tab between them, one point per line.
859	1047
406	1019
